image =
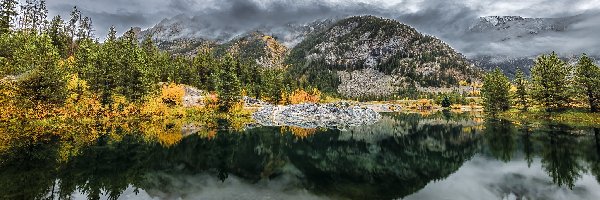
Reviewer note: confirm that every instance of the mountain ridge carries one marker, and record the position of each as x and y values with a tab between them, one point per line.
374	57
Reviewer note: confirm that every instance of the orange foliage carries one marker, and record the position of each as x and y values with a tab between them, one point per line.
166	132
172	94
300	133
211	101
300	96
80	101
7	95
168	102
120	107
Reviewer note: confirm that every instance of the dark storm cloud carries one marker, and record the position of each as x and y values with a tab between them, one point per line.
182	5
249	13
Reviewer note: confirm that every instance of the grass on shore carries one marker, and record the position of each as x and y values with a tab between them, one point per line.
572	117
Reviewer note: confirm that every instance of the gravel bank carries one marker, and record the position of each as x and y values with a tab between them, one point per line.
316	115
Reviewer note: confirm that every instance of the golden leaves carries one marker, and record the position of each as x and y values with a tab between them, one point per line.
300	133
300	96
168	103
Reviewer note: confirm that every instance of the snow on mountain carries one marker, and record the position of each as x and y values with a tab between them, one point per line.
184	27
502	28
505	41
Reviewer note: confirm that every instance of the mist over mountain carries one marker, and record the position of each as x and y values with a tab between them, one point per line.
502	37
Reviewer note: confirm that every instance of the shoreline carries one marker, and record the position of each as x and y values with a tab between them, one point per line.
572	117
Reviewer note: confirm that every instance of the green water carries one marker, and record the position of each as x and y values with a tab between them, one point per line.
404	156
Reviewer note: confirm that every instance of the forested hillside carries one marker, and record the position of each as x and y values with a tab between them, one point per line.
368	56
359	57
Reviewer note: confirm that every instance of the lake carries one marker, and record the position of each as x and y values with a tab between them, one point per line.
403	156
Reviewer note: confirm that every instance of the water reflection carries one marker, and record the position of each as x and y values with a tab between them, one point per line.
402	156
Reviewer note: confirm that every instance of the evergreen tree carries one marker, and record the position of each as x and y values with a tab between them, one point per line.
71	28
446	102
495	92
550	81
34	15
521	84
7	14
153	63
46	82
41	15
27	14
207	69
60	38
271	84
112	34
587	75
130	79
229	90
148	45
85	30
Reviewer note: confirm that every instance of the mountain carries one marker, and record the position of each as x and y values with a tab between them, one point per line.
357	57
368	56
256	48
186	28
511	42
503	28
505	41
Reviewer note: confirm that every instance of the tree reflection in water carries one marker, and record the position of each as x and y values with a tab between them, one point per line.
391	159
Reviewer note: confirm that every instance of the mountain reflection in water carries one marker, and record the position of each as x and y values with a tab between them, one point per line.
453	156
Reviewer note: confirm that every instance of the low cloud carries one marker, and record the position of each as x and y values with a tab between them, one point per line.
447	20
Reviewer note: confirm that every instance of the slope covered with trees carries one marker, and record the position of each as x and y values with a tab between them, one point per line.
394	55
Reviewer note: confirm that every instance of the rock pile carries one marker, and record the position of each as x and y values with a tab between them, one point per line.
193	96
316	115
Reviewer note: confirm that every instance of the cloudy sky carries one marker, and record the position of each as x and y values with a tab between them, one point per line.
144	13
445	19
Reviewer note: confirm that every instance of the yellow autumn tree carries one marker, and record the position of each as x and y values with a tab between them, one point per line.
168	102
7	95
300	96
80	101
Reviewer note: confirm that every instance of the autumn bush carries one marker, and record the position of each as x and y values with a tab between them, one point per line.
298	132
80	101
7	95
300	96
168	102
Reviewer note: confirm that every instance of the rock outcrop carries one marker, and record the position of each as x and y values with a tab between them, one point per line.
316	115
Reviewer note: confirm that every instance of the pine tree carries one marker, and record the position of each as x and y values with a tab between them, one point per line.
103	79
521	93
112	34
28	14
446	102
41	16
229	90
550	82
71	28
85	30
207	69
495	92
60	38
148	45
130	68
7	14
34	15
46	82
587	75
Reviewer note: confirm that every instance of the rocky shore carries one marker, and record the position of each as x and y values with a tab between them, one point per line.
337	115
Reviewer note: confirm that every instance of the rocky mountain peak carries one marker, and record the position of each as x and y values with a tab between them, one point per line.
375	57
496	20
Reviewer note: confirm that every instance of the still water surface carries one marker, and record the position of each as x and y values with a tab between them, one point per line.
404	156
